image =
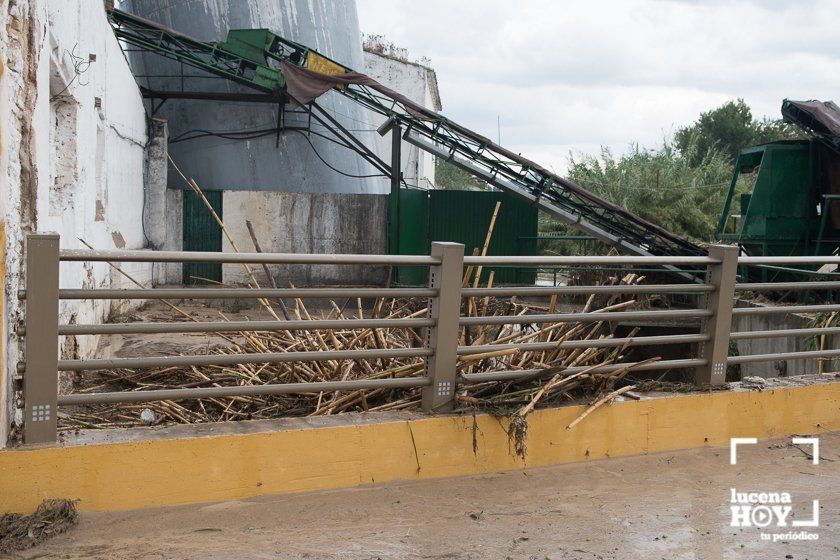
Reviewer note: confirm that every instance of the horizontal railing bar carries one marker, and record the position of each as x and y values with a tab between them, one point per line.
798	286
802	271
784	309
242	326
240	293
783	356
584	317
558	260
513	375
789	260
745	335
241	391
686	271
232	359
586	290
597	343
256	258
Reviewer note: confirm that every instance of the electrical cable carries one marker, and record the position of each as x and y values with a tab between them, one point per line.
80	66
269	131
245	135
253	134
355	150
330	166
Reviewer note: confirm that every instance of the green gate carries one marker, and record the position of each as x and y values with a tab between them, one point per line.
202	233
413	234
464	217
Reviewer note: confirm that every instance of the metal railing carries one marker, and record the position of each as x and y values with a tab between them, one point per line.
442	326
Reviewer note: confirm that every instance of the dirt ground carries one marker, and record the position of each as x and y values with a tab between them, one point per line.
664	506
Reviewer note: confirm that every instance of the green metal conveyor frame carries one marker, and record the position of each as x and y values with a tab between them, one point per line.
252	59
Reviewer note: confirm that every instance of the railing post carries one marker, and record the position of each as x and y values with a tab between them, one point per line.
442	338
40	378
719	325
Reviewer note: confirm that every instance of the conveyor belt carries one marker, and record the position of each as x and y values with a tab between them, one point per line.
258	66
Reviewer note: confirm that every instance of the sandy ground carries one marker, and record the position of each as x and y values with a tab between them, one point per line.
665	506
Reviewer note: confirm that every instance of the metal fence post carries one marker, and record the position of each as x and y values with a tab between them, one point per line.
442	338
40	378
719	325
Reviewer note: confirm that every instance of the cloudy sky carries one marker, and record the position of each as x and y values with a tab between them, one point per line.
573	75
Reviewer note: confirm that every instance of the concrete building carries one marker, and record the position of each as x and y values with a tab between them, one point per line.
299	197
74	137
82	157
272	162
416	80
302	193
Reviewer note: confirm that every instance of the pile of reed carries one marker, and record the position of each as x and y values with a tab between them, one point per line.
549	385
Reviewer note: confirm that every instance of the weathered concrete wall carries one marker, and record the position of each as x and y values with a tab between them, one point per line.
21	41
780	368
308	223
156	179
419	83
74	133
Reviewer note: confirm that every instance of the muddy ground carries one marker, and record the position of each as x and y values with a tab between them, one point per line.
666	506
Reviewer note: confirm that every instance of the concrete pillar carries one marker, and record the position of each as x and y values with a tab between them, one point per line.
162	212
172	273
162	205
156	183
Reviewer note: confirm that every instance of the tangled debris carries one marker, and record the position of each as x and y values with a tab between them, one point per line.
548	383
551	383
19	532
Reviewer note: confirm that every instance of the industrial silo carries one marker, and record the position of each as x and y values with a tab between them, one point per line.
229	145
301	192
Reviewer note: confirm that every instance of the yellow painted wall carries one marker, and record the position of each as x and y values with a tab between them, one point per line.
223	467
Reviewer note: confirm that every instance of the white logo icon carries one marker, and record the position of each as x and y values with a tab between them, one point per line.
766	509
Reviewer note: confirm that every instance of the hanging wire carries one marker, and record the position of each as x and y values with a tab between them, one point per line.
309	141
80	67
194	134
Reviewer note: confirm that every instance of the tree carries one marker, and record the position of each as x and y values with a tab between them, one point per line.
771	130
453	178
731	128
682	184
663	185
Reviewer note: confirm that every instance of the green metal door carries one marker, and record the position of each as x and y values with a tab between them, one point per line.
464	216
202	233
414	234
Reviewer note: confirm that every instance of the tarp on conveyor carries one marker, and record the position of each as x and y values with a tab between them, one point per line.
818	117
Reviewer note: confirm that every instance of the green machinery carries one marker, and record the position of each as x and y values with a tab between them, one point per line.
780	201
783	198
261	61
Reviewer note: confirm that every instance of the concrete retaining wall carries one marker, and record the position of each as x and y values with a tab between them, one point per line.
114	470
780	368
309	223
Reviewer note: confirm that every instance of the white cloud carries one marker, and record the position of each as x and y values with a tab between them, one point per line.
573	75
